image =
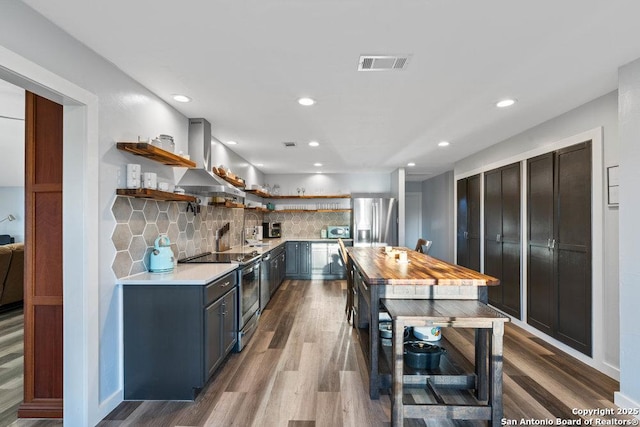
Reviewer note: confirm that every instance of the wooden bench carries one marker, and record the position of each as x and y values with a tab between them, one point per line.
453	314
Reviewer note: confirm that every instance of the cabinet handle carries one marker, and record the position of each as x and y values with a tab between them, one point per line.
553	243
226	284
466	234
497	238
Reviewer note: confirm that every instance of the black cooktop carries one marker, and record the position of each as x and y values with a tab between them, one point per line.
220	257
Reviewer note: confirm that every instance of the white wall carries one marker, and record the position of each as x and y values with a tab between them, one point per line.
11	135
398	191
330	183
221	155
12	149
629	127
438	215
12	202
126	109
601	112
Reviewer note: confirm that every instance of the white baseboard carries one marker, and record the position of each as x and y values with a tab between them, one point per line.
109	404
623	401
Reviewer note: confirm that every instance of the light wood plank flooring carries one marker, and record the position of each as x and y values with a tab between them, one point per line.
304	367
11	364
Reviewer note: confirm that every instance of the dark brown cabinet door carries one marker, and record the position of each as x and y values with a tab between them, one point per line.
473	236
462	209
468	228
540	201
502	236
559	270
572	249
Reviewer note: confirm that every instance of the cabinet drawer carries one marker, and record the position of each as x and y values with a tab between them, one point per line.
216	289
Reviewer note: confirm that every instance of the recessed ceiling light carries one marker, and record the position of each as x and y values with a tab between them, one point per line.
411	164
318	171
505	103
232	143
181	98
314	144
443	144
306	101
317	165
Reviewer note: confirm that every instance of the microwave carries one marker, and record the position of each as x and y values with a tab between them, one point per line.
338	231
271	230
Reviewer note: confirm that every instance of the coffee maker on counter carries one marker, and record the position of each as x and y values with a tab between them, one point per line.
271	230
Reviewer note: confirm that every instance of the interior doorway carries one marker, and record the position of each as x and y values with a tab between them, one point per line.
80	231
31	187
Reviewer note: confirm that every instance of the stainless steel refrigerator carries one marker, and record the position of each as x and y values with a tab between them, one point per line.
375	221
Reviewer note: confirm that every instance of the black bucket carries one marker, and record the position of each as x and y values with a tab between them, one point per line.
422	355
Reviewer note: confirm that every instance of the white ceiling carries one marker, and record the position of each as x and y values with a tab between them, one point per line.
245	63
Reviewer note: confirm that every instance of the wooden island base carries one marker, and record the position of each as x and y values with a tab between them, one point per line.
454	314
435	293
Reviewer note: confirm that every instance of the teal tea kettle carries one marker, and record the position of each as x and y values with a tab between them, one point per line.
161	257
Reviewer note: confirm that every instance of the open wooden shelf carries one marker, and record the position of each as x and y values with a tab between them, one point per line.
152	152
147	193
265	210
260	193
310	210
228	204
318	196
233	180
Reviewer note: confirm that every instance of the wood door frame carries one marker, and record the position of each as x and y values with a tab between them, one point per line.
80	233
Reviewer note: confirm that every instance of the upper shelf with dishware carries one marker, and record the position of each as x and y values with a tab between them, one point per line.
229	177
149	193
152	152
317	196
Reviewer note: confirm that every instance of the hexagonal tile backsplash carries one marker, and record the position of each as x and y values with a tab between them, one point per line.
140	221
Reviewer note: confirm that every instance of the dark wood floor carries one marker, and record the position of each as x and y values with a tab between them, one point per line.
304	367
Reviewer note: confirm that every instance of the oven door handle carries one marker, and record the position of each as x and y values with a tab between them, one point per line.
248	270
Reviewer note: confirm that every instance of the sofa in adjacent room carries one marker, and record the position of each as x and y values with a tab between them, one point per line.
11	275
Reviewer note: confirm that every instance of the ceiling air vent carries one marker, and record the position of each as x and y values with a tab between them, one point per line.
383	62
289	144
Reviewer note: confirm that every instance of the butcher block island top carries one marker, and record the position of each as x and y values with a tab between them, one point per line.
381	268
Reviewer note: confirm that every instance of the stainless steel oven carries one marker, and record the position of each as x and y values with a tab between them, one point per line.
249	312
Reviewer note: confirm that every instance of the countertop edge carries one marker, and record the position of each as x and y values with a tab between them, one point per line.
182	275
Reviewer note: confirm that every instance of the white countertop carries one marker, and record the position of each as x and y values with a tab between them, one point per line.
201	274
183	274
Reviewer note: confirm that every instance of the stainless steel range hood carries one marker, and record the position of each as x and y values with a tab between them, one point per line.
200	180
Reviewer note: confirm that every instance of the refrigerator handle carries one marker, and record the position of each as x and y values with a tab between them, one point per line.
373	223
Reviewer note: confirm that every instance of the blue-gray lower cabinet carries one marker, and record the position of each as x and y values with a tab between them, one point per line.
175	336
277	266
298	260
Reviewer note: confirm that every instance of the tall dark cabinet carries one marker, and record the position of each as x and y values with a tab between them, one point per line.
502	236
468	223
559	243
